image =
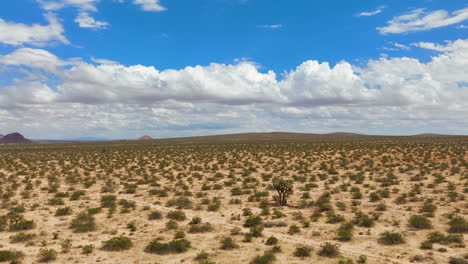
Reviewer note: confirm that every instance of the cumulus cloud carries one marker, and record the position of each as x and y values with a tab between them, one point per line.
150	5
111	97
17	34
420	20
84	20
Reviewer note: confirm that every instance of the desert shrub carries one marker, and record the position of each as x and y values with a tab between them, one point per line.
171	224
200	228
454	260
328	250
391	238
175	246
180	203
21	237
256	231
154	215
202	256
437	237
179	234
420	222
63	211
95	210
362	219
46	255
267	258
333	218
302	251
83	222
10	255
362	259
294	229
426	245
269	224
76	195
117	244
108	201
344	234
253	220
271	241
195	221
87	249
345	261
228	243
176	215
458	225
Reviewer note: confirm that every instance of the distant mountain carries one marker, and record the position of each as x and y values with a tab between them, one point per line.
146	137
343	134
430	135
1	135
14	138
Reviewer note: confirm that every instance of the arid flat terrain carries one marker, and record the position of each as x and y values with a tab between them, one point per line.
349	199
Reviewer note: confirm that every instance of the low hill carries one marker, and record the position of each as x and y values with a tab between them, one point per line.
14	138
146	137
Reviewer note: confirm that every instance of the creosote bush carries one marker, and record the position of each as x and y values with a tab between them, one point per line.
175	246
117	244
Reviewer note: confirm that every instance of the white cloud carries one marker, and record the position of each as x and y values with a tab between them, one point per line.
150	5
113	100
372	13
84	20
17	34
420	20
450	45
88	5
271	26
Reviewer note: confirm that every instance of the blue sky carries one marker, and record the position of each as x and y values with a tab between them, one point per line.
255	48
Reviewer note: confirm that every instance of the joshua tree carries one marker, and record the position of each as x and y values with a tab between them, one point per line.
284	188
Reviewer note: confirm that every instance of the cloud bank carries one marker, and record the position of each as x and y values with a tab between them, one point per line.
109	97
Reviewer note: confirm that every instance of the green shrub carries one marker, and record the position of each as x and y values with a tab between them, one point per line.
154	215
10	255
271	241
391	238
303	251
46	255
175	246
420	222
63	211
108	201
171	224
328	250
117	244
83	222
267	258
253	220
294	229
345	261
344	234
426	245
179	234
256	231
454	260
21	237
176	215
87	249
458	225
200	228
228	243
